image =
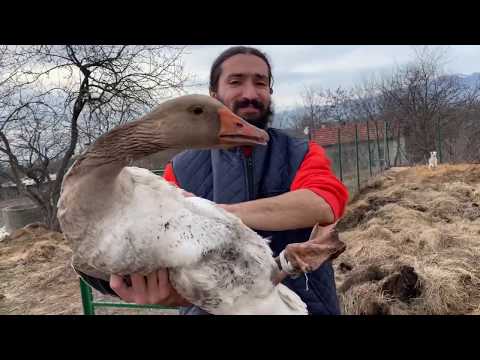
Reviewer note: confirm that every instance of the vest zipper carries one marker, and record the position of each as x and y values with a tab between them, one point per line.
251	190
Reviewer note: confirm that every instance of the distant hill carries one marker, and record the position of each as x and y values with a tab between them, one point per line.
471	80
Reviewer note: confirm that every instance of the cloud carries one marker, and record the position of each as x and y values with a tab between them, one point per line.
327	66
359	58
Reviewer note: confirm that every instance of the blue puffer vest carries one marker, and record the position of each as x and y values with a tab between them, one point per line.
228	176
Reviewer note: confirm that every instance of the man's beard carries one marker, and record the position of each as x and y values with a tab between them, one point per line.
262	120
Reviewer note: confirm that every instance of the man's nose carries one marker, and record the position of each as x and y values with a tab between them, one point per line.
249	91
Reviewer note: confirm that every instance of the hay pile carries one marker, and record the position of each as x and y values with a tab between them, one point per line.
35	275
413	244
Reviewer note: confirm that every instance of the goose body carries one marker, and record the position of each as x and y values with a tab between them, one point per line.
124	220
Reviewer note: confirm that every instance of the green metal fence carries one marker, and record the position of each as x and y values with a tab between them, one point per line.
359	151
90	304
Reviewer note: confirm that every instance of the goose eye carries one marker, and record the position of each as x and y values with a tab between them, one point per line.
197	110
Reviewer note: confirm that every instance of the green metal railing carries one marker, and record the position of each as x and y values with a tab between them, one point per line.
90	304
158	172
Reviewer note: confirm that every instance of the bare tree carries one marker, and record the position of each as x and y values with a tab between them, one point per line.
58	99
312	108
325	106
428	103
368	105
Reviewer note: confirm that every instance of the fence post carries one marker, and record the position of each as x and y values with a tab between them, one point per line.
87	298
439	140
384	144
388	146
369	154
358	160
378	146
339	140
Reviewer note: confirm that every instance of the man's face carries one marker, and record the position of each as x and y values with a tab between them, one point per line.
244	88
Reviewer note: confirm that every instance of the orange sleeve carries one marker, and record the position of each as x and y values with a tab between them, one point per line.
169	175
315	174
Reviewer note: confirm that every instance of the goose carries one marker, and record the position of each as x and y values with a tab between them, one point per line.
121	219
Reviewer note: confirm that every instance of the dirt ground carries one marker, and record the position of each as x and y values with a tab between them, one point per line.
413	247
35	276
413	243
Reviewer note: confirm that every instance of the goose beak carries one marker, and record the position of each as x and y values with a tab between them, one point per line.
236	131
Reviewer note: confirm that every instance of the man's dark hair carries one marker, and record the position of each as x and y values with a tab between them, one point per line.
216	69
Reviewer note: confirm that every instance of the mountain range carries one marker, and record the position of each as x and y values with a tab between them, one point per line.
468	80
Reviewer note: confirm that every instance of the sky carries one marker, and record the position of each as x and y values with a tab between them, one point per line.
326	66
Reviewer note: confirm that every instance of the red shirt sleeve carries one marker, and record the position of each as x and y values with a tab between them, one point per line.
169	175
315	174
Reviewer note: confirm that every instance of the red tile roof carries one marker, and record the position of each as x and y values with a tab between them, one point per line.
328	135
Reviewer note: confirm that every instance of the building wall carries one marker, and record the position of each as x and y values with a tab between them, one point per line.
7	193
11	192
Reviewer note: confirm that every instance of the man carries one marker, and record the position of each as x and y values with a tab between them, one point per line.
281	190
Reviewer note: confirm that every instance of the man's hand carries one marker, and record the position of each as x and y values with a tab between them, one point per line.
187	194
155	288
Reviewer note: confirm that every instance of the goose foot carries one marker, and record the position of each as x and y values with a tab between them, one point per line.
297	258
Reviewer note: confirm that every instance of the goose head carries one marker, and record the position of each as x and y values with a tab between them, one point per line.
200	122
185	122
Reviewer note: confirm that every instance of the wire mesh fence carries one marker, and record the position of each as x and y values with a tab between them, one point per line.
361	150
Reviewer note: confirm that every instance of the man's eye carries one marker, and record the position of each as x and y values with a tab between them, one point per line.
234	82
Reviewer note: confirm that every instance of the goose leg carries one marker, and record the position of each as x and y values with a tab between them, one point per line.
324	244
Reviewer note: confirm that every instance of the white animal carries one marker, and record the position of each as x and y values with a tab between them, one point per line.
3	233
432	162
126	220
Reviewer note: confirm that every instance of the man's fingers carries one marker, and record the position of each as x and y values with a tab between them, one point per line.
164	286
154	296
155	288
187	194
118	285
174	298
139	288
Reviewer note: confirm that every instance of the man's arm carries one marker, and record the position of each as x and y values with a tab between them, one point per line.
316	196
293	210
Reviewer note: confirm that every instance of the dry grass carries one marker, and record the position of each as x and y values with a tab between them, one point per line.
413	243
35	275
